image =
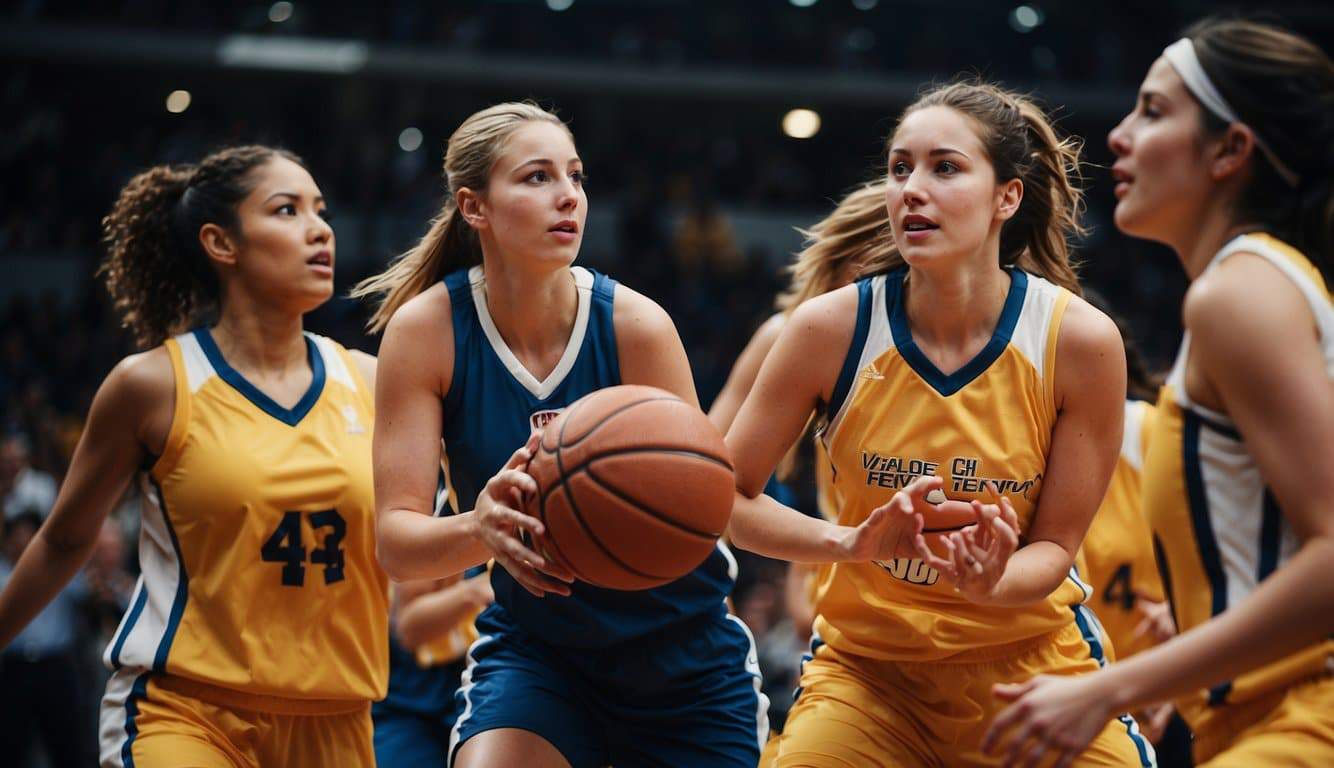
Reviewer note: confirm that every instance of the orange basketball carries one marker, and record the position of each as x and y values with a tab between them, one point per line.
634	486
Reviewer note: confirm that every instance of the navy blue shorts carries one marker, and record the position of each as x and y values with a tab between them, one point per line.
686	696
409	738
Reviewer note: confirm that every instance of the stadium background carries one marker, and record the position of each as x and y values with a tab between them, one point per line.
681	111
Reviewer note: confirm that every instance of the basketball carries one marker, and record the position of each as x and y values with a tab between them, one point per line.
634	487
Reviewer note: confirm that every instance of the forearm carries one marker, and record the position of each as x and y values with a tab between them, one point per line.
1292	609
412	545
436	614
42	571
1033	572
765	527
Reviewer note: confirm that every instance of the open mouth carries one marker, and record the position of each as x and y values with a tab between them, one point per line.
918	223
321	259
568	227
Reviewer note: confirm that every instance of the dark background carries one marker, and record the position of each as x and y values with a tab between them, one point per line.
676	106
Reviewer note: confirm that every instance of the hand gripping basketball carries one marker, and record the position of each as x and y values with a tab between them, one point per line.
501	527
634	487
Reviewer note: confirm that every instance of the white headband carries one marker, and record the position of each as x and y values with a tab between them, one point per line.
1181	55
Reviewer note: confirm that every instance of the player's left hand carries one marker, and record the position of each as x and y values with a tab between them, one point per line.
1052	716
978	554
1157	621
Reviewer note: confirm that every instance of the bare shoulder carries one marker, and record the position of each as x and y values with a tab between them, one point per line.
143	377
826	317
1245	296
428	312
418	344
637	318
1090	355
1087	330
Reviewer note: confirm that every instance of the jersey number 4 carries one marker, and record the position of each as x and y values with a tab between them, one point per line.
285	546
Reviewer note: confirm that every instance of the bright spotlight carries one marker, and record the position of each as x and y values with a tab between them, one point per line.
178	102
865	5
1025	18
559	5
803	3
410	140
801	123
280	12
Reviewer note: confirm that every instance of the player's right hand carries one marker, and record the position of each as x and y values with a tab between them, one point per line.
501	524
894	529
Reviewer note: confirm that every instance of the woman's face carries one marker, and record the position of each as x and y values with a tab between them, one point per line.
942	195
534	206
1161	178
286	246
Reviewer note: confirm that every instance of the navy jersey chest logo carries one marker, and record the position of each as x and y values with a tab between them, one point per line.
540	419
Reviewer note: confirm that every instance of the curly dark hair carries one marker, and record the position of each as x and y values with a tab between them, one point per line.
156	271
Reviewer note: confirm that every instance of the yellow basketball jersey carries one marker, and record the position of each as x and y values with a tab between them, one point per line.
258	542
1118	550
896	417
1218	528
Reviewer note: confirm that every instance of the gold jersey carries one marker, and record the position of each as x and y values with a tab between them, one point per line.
1217	526
894	417
257	544
1118	549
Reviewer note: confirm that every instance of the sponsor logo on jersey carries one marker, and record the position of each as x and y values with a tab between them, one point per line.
540	419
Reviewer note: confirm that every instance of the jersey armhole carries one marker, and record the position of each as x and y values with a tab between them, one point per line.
850	363
459	288
180	415
1049	357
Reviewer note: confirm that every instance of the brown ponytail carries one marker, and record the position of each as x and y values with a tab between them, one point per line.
1021	143
451	244
155	269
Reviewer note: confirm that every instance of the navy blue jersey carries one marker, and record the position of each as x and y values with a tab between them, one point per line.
493	406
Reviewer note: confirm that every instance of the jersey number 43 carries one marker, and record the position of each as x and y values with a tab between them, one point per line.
286	546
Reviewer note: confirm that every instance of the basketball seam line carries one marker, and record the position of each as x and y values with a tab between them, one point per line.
560	439
642	508
637	449
593	537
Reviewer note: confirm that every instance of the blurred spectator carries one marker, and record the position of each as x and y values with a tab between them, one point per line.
26	490
704	242
42	690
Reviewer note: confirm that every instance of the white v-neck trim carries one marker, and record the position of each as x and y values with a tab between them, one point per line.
583	283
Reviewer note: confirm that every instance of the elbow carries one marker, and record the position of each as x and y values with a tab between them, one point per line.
391	561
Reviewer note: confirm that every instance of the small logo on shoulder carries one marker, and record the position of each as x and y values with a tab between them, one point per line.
354	426
540	419
869	372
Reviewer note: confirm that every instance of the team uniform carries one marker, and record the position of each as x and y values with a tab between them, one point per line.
1220	533
656	677
902	666
1118	549
257	632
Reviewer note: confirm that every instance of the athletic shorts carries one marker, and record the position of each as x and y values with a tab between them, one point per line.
687	696
159	721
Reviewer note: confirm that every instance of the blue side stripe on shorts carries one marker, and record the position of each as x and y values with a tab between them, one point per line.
1087	624
138	691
